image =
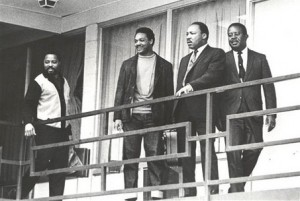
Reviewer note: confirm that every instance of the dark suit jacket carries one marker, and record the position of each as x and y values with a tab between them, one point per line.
163	86
206	73
257	68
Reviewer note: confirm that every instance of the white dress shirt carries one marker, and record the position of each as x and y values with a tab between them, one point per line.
199	51
244	56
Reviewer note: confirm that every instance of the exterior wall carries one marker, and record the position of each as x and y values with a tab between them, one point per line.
271	18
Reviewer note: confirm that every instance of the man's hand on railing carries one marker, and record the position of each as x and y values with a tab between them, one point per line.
270	122
184	90
118	124
29	130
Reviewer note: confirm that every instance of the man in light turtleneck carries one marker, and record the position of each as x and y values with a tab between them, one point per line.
144	81
143	77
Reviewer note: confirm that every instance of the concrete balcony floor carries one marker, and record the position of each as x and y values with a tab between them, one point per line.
279	194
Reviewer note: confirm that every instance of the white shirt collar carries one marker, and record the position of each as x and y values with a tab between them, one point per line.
200	49
244	51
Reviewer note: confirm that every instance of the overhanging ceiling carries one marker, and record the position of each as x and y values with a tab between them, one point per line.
62	9
73	15
27	19
6	29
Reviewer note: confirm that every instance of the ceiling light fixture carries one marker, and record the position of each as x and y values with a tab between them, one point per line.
47	3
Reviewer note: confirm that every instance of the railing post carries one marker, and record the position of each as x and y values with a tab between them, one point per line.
208	147
104	169
228	134
0	159
20	167
32	158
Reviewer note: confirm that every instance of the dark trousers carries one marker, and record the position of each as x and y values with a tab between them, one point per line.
52	158
189	163
132	147
241	163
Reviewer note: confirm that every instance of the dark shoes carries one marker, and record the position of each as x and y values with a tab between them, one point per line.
134	199
191	192
155	195
131	199
154	198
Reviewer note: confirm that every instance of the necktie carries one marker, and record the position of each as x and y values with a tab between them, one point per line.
193	58
190	65
241	66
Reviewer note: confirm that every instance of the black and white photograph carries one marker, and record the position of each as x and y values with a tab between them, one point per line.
135	100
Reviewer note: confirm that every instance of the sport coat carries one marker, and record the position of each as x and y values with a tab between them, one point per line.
163	86
206	72
257	68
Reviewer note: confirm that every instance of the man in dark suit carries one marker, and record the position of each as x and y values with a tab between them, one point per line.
143	77
242	65
201	69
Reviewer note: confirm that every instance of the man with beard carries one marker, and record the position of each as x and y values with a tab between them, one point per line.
47	98
242	65
143	77
201	69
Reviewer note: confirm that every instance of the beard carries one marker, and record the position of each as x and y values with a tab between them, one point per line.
51	72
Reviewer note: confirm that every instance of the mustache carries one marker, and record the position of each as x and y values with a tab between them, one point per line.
55	71
50	67
235	40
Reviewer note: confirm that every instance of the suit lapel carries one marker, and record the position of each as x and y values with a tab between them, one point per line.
158	70
199	59
201	56
233	66
249	64
134	68
182	70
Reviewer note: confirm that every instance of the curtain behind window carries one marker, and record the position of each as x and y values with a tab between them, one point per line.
118	45
72	54
12	82
217	15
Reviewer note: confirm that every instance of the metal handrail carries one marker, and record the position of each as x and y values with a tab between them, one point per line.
208	137
258	113
186	125
173	98
164	99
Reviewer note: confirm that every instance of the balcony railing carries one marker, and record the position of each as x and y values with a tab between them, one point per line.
187	125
